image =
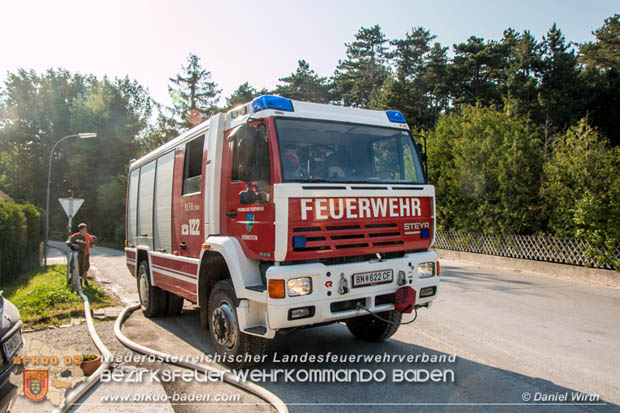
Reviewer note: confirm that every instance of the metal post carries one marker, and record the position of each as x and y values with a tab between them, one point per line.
49	173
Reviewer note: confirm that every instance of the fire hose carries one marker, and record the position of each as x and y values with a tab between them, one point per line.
261	392
75	395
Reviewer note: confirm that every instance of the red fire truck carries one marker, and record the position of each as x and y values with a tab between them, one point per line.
279	215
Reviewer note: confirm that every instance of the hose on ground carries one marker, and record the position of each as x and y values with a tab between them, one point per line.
255	389
75	395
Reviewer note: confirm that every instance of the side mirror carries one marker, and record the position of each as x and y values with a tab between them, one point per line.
423	155
421	151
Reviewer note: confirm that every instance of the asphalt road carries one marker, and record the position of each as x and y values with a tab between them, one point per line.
521	341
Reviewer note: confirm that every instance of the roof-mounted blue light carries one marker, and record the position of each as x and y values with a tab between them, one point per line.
272	102
395	116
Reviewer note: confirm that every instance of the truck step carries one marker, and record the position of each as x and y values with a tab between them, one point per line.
258	288
262	330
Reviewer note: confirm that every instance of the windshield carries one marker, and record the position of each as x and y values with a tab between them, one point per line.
320	151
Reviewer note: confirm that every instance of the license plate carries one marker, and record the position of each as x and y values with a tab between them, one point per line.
372	278
13	344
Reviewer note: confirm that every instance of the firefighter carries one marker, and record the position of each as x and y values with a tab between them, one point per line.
83	241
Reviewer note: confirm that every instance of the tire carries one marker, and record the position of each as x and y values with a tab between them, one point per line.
152	299
227	340
174	304
371	329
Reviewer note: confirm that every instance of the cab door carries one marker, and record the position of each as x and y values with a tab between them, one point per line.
249	210
188	198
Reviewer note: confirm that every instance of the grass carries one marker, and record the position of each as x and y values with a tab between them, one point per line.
44	298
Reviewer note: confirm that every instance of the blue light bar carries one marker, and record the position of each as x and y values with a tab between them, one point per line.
425	233
299	241
395	116
272	102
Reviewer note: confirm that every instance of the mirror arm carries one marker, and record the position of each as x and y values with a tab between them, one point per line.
425	157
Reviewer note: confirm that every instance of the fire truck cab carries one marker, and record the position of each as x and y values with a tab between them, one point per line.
281	214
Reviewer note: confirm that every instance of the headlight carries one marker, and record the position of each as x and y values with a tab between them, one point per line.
426	269
299	286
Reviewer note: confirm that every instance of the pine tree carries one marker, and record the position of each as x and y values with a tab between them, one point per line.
304	84
359	79
560	92
476	72
411	91
193	90
523	72
605	52
437	79
243	94
602	77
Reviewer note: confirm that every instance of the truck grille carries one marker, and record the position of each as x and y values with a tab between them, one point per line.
340	237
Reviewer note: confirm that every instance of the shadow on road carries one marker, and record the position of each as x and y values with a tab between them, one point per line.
475	386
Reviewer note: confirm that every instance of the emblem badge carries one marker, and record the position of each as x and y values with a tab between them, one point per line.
36	384
249	222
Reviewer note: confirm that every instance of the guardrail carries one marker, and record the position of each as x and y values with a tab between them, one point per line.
571	251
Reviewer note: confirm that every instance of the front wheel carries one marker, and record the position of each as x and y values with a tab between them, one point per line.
228	341
152	299
370	328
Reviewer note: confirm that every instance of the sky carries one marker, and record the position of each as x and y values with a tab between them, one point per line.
252	41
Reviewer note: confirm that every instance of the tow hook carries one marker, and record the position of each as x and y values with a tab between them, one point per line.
401	278
344	285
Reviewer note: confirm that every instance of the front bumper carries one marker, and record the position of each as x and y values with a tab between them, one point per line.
326	301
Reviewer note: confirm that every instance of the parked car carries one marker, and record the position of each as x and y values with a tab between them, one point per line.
11	343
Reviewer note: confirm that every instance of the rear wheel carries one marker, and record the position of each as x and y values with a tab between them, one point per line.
370	328
174	304
152	299
227	340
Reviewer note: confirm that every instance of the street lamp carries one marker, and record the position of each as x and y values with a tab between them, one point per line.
49	173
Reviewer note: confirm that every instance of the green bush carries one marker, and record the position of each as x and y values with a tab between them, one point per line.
582	191
486	166
20	234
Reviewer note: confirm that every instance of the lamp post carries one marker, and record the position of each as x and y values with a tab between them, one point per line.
49	173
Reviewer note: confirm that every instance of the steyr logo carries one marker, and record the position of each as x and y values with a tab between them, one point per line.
249	222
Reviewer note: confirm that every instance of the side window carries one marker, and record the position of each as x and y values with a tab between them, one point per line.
192	170
250	155
235	159
263	173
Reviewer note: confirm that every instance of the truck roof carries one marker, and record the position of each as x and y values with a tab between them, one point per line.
268	105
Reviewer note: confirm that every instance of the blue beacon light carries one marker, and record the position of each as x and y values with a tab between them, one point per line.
272	102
